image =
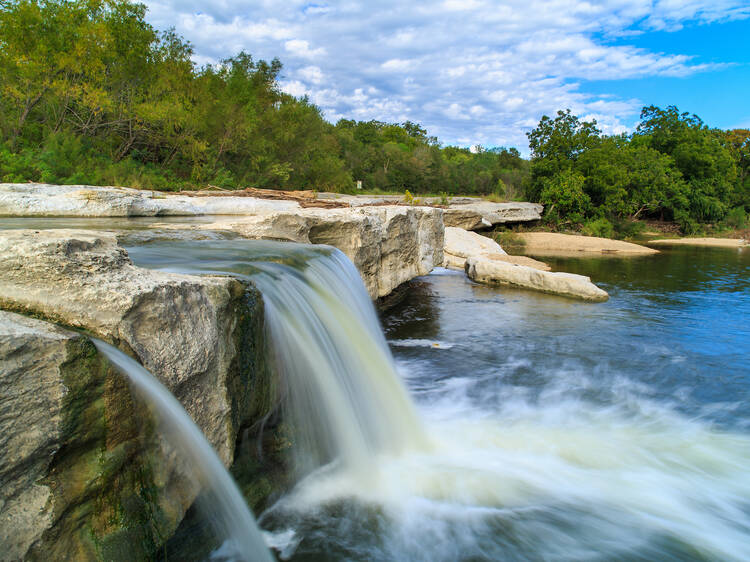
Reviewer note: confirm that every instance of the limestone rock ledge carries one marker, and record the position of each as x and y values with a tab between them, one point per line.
484	270
45	200
389	245
81	478
461	244
185	329
486	214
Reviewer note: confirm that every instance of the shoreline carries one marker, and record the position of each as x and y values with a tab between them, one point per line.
708	242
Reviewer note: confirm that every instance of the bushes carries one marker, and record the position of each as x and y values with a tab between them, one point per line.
599	227
737	218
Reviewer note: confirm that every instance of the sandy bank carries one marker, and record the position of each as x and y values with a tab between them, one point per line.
551	242
712	242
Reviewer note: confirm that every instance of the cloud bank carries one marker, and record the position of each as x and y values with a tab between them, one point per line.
471	71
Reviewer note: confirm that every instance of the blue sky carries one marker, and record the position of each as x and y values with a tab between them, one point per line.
484	72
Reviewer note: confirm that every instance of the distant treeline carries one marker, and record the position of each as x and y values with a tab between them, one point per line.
672	167
91	93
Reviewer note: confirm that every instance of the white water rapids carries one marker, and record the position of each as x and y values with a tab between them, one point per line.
561	477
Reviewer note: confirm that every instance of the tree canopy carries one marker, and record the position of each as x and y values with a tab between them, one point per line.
673	166
91	93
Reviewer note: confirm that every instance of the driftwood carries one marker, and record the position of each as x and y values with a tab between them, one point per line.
305	198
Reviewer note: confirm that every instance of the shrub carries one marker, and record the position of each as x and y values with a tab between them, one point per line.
600	227
736	218
509	240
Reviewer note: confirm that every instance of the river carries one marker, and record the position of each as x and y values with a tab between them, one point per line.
562	430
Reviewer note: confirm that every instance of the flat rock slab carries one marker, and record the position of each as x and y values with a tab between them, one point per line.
522	260
710	242
389	245
552	242
494	272
461	244
180	327
486	214
44	200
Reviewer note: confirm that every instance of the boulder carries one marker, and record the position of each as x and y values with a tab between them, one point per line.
522	260
484	270
485	214
461	244
195	333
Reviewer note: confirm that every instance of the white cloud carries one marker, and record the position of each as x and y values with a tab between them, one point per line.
311	74
301	48
471	71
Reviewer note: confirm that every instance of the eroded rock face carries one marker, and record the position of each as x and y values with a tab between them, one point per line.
485	270
485	214
82	472
184	329
389	245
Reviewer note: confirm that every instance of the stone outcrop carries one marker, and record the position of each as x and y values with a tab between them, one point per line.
185	329
73	440
82	479
522	260
485	214
43	200
389	245
484	270
542	243
461	244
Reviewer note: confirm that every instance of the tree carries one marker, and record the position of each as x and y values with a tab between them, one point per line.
555	146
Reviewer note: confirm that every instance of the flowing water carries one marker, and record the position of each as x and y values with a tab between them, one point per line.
561	430
221	501
545	429
343	395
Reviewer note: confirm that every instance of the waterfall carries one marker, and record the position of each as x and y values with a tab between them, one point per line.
345	398
346	402
228	511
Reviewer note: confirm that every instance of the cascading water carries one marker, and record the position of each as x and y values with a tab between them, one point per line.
221	501
343	395
559	462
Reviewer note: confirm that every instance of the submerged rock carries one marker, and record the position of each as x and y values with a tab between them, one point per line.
484	270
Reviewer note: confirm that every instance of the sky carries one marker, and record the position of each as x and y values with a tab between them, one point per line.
481	72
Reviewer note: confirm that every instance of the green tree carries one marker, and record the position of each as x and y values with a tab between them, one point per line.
555	146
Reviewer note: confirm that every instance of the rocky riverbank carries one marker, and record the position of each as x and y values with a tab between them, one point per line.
85	474
101	485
